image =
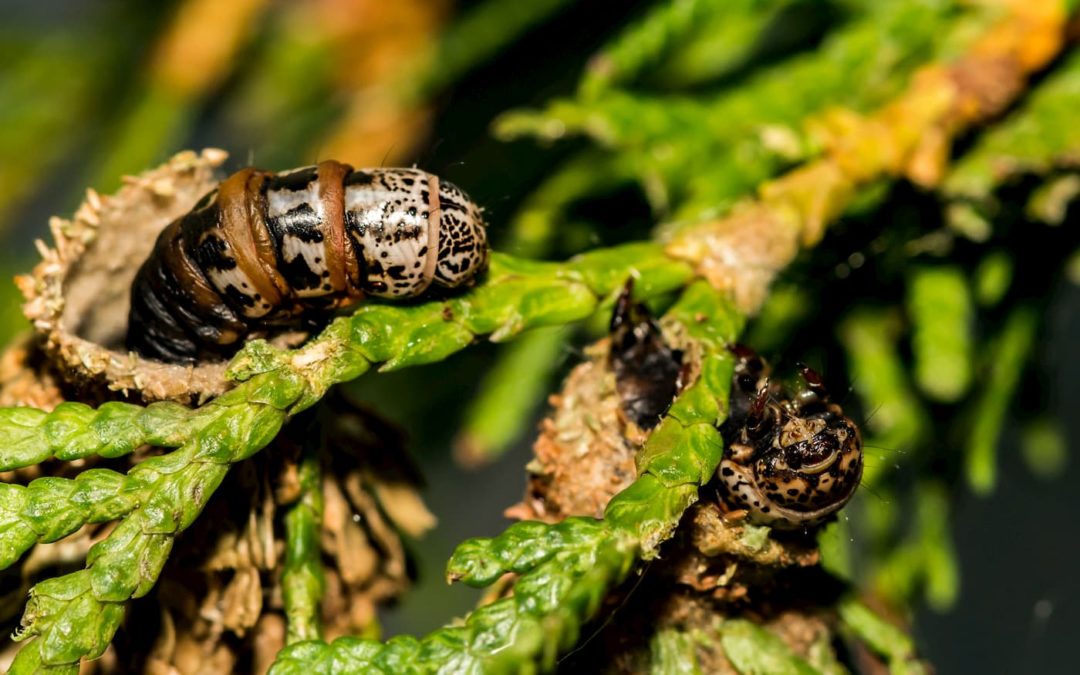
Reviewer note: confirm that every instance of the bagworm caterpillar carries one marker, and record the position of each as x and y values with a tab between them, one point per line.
262	249
790	462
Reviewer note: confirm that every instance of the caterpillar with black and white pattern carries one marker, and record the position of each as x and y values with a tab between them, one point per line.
263	249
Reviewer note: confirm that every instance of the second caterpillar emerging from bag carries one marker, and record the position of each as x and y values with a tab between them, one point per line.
263	248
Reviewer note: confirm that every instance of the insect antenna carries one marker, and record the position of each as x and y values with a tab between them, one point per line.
386	155
866	420
899	451
864	486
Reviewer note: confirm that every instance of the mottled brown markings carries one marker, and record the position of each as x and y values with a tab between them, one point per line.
234	199
340	259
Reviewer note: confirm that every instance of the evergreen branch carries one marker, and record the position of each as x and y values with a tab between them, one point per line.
566	569
673	652
77	431
1036	138
993	278
1049	203
783	94
934	539
519	295
881	637
755	651
302	580
694	157
925	559
668	28
74	616
701	155
908	137
49	509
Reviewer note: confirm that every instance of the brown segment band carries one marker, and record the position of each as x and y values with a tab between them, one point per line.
260	235
331	177
434	221
236	230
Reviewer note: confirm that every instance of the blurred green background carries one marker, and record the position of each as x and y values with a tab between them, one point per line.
696	104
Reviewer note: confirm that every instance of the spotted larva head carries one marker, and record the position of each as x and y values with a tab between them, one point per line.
463	248
797	476
789	462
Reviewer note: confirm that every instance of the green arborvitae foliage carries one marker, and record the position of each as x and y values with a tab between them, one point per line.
700	154
76	431
1006	364
881	637
1032	140
673	652
686	117
566	569
302	582
74	616
754	650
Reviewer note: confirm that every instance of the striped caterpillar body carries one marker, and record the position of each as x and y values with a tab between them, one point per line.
262	249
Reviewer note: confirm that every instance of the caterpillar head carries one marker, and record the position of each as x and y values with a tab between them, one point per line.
463	249
789	462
